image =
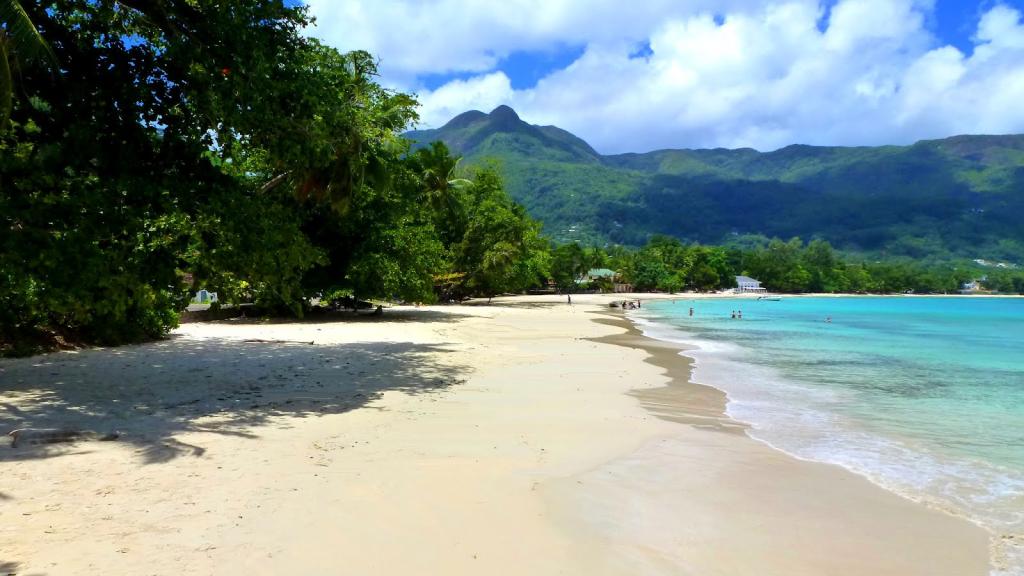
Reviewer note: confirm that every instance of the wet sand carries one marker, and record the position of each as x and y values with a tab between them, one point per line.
710	500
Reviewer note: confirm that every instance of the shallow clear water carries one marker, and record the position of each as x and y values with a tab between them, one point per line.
924	396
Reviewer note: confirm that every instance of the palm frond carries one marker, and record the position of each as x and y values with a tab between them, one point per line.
24	41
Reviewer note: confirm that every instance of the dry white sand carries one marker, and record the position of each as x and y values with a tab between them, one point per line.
459	440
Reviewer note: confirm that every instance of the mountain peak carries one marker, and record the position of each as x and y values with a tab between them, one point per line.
504	111
504	117
465	119
468	132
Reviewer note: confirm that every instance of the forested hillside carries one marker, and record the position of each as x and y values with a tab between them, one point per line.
960	197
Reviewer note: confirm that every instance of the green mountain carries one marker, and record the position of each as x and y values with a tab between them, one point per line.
957	197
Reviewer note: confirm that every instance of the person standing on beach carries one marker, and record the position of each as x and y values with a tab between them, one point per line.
569	296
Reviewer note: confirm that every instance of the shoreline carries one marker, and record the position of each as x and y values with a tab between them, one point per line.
703	409
705	405
526	437
1004	555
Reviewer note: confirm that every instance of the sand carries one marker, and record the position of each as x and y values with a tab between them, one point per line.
525	437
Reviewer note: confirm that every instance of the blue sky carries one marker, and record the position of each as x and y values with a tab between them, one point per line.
703	73
954	20
524	69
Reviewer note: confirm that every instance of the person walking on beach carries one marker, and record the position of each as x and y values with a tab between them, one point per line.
569	296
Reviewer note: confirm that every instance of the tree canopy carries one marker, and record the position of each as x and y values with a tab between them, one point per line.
173	145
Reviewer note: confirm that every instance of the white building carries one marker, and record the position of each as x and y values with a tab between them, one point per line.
973	286
205	297
748	284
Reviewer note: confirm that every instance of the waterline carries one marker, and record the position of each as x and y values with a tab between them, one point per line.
925	397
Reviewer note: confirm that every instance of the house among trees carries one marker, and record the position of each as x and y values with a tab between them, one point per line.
205	297
604	280
596	274
974	286
748	284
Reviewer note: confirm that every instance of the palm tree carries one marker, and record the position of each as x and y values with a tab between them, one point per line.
436	168
20	43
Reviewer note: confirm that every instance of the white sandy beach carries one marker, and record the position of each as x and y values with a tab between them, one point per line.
524	437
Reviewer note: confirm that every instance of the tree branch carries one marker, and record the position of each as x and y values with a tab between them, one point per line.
274	182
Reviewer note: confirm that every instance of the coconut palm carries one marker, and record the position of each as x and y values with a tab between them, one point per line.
20	44
436	169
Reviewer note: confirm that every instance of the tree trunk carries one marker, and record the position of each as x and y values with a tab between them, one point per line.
6	85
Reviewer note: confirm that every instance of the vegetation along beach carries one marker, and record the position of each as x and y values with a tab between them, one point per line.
351	287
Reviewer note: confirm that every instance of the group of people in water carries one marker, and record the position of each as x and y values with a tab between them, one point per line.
634	304
736	314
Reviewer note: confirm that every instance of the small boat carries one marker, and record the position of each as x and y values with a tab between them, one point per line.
769	298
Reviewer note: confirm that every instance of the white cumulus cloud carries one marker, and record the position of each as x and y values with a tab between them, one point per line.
752	73
480	92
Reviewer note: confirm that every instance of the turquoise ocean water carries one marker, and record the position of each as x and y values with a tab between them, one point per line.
924	396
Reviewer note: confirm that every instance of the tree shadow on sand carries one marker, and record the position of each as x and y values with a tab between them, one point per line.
389	316
150	393
513	303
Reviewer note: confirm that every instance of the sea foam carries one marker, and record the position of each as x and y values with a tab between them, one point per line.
795	402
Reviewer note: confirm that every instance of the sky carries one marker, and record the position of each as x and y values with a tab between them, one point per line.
649	74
